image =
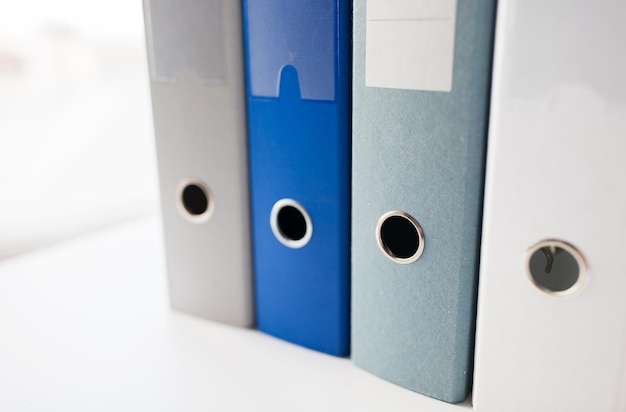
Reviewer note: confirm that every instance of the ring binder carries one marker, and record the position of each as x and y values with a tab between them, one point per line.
195	54
551	307
298	73
420	104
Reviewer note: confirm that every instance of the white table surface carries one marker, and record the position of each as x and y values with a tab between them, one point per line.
85	326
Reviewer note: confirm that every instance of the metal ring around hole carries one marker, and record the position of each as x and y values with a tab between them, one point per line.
294	244
203	217
416	225
572	250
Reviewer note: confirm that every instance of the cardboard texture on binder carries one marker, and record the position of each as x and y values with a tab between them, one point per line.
420	96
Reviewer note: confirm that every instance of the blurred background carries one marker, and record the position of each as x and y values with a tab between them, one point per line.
76	145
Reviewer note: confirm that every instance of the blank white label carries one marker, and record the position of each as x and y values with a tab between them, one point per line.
410	44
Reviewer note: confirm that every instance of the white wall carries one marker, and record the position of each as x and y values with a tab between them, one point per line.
76	146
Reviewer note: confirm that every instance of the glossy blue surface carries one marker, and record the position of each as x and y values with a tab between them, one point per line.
300	149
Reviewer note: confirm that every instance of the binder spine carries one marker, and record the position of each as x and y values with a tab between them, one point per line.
195	53
298	78
419	141
551	304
